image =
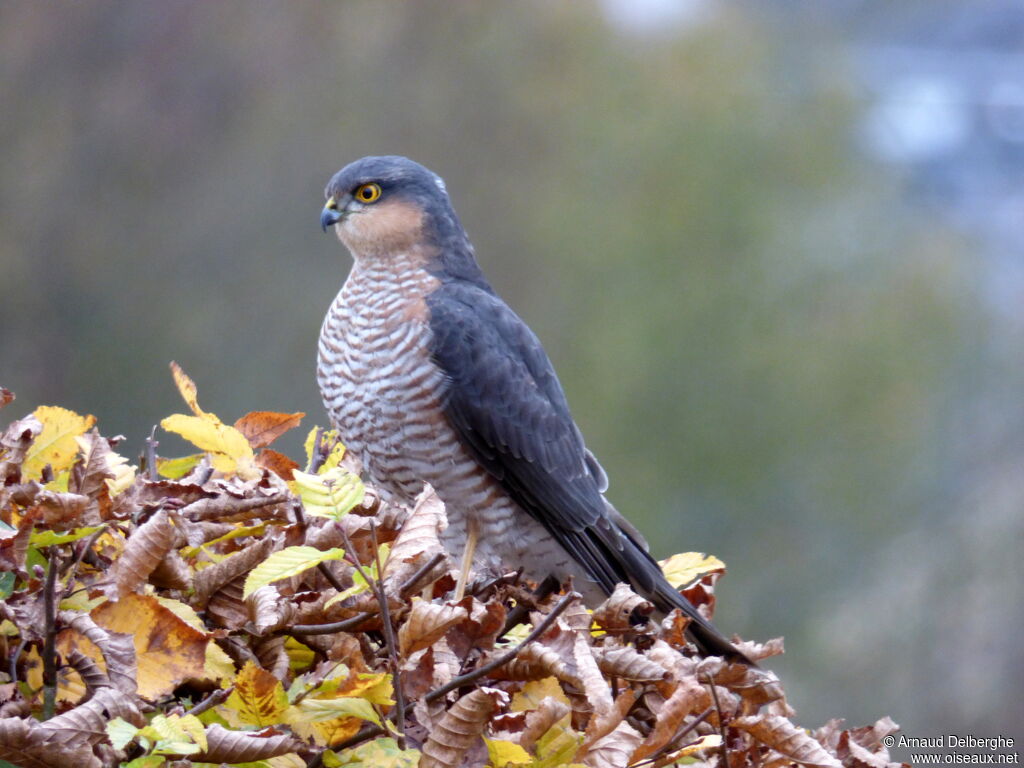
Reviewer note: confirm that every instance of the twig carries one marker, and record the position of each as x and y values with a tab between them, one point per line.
505	658
14	659
389	640
368	731
50	635
352	622
317	456
215	698
151	445
328	574
721	722
673	743
72	568
389	631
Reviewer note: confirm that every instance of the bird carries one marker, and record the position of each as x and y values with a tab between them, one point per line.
430	377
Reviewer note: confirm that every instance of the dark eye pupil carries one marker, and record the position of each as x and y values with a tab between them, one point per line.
367	193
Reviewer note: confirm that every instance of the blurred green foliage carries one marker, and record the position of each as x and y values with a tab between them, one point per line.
758	337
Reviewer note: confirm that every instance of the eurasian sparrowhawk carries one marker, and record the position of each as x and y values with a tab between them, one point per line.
431	378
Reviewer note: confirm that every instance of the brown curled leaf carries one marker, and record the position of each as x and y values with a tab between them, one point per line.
6	397
24	743
172	573
90	671
461	727
426	623
540	720
628	664
787	739
536	661
268	610
614	749
616	612
61	511
86	723
14	444
418	540
116	650
215	577
595	687
147	546
261	428
224	746
689	697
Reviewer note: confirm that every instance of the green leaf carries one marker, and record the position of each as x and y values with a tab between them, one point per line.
6	584
330	494
320	710
52	538
175	469
288	562
120	732
379	753
147	761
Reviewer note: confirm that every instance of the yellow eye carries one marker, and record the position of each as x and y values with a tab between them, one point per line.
368	193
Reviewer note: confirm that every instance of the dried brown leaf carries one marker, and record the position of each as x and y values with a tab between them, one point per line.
689	697
117	651
426	623
224	746
91	673
461	727
147	546
418	541
268	610
278	463
215	577
6	397
261	428
787	739
614	749
627	663
24	743
86	723
227	608
540	720
61	511
622	605
595	687
172	573
14	444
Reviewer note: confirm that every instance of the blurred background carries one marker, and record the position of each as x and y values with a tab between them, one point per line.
774	250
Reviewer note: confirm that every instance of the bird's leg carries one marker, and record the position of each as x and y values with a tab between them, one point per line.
472	531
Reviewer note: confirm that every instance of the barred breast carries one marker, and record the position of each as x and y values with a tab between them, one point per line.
382	392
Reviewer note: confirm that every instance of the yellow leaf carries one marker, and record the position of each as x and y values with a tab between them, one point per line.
187	388
330	437
168	651
683	569
285	563
331	494
217	665
535	691
504	753
258	697
318	710
229	451
56	444
376	688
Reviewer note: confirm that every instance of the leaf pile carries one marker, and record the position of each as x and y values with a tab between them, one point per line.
230	608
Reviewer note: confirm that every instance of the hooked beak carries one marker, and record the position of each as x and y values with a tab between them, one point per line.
330	215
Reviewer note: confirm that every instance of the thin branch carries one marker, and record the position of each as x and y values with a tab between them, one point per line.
214	699
505	658
50	635
328	574
352	622
673	743
721	722
85	547
389	640
15	657
151	445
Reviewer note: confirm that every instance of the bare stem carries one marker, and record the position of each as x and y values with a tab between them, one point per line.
389	640
505	658
50	635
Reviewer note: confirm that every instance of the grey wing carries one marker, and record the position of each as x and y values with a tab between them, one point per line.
506	404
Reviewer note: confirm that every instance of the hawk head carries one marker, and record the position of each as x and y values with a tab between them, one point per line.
383	205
